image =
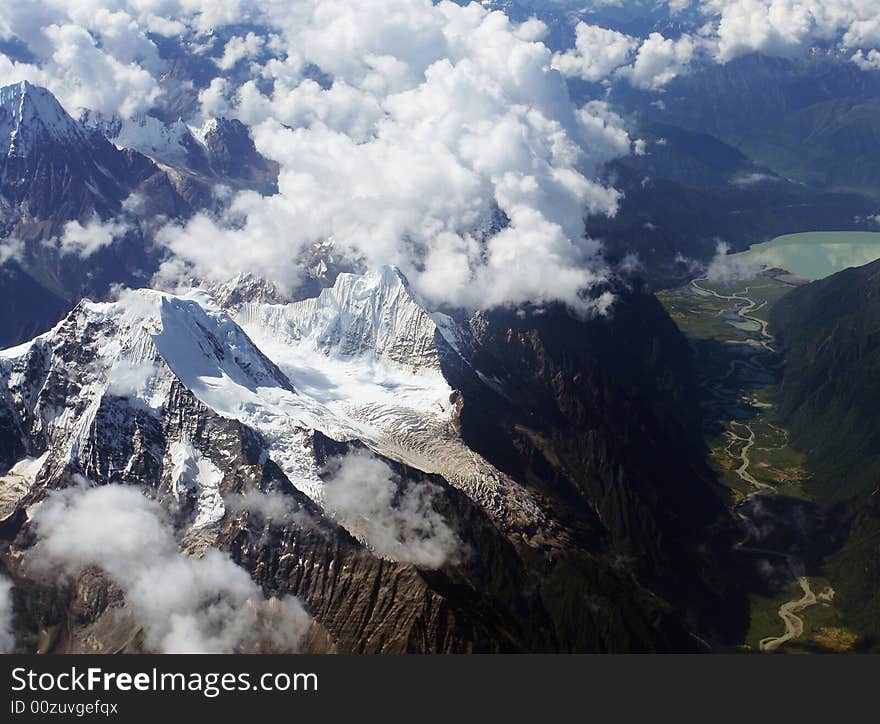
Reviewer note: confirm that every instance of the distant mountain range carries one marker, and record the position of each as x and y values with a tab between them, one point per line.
810	120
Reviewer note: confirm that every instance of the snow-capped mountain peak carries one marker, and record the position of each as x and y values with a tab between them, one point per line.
170	144
374	314
54	169
212	125
138	350
368	353
362	362
30	114
220	149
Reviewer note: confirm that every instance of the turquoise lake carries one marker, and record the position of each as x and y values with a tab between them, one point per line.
815	255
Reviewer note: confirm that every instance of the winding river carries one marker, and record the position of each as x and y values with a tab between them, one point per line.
788	611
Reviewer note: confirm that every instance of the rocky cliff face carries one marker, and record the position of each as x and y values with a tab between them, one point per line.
521	516
233	155
599	419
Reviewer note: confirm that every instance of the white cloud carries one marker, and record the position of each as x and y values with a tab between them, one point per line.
598	52
532	30
89	54
274	507
238	49
783	27
214	100
11	249
754	25
786	27
83	241
186	605
97	53
659	60
7	637
440	122
130	379
863	33
734	28
726	267
137	381
867	61
602	55
439	116
750	179
396	519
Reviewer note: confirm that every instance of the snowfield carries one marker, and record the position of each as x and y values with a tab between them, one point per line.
360	362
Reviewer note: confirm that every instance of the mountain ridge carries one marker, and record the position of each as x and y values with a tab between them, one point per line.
122	391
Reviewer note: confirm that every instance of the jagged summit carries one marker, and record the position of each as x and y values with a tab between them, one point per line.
369	353
171	144
139	349
233	154
375	314
245	288
142	348
54	169
221	149
29	114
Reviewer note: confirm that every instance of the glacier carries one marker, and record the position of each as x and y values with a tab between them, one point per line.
362	362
